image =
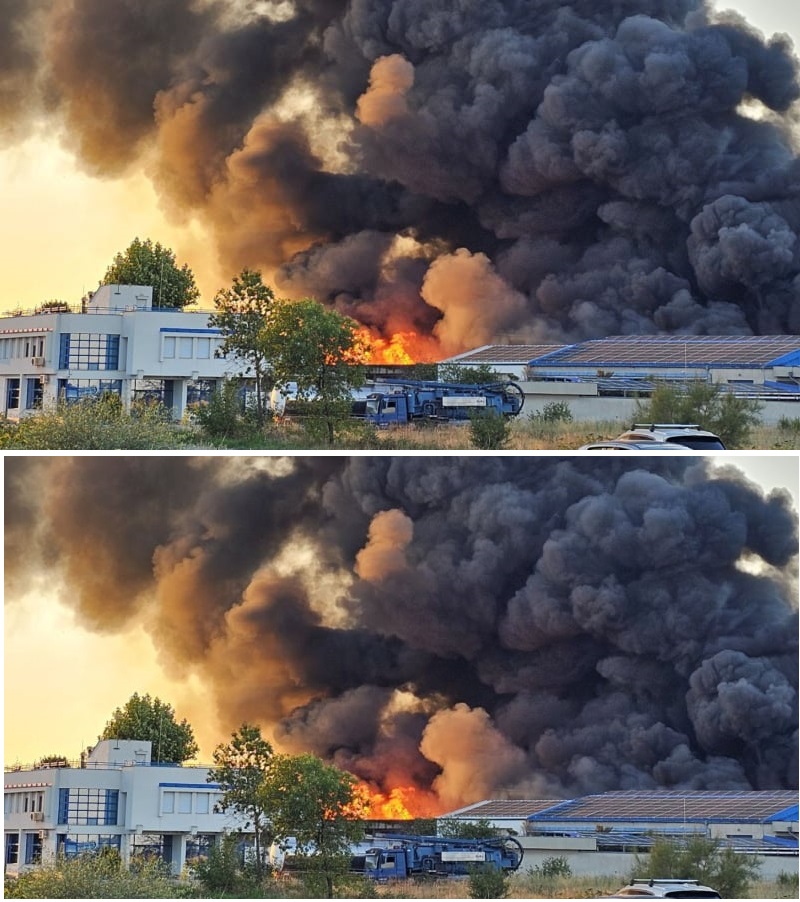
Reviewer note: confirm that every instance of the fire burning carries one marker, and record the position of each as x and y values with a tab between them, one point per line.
401	803
403	347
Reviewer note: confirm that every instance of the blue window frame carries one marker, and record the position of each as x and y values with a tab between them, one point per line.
88	351
90	807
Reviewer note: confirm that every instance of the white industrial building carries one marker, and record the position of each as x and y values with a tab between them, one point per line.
118	798
117	342
603	833
603	378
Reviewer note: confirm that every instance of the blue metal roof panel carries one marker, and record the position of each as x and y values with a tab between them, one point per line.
787	814
790	359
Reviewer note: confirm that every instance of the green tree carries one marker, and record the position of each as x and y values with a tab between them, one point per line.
703	859
478	829
706	404
322	351
483	374
317	804
242	313
241	767
146	718
145	263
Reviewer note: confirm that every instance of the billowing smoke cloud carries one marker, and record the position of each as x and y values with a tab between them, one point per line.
465	625
541	170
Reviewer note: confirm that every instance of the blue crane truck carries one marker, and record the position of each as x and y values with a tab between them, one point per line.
404	402
399	857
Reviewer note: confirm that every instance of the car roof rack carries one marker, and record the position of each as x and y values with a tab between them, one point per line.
650	881
653	426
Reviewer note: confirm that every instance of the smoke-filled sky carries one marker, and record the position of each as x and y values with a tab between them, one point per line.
537	626
475	171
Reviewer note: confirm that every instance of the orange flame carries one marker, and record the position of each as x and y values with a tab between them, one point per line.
400	803
403	347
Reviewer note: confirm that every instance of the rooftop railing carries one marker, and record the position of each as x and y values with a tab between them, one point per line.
80	308
86	764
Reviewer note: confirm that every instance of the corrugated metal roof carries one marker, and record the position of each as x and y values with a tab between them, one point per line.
671	805
676	350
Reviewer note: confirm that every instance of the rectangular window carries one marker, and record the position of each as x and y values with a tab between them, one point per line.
201	803
12	848
169	348
12	394
71	845
185	348
34	393
203	348
184	803
33	848
88	351
88	806
168	803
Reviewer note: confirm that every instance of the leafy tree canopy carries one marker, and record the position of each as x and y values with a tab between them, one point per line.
317	804
240	767
704	403
145	263
146	718
241	314
319	349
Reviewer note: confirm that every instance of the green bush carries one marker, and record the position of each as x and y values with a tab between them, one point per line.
219	871
94	424
553	412
95	876
552	869
221	417
489	431
488	883
788	883
703	859
706	404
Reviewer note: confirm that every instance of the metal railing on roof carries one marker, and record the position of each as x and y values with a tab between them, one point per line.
86	764
80	308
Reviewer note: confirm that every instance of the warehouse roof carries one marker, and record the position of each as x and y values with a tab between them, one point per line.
520	354
497	808
677	350
672	805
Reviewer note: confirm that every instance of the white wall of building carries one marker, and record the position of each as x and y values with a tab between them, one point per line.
172	803
176	346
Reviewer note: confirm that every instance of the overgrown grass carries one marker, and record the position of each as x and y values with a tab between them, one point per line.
102	425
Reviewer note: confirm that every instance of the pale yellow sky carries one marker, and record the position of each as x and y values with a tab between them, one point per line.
60	229
62	682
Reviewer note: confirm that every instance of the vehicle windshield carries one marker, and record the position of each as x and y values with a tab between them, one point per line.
698	442
373	405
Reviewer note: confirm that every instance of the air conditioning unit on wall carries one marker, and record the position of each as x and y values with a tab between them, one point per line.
37	361
37	816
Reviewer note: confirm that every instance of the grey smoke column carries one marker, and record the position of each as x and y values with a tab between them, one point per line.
463	624
554	171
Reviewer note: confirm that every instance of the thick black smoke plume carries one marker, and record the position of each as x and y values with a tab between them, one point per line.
466	625
471	170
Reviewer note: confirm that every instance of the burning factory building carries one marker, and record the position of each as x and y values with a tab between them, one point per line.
448	629
450	176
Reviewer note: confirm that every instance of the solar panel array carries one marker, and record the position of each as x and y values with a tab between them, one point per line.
520	354
673	805
521	808
674	350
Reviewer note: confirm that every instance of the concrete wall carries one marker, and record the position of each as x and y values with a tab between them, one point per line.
619	410
620	864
